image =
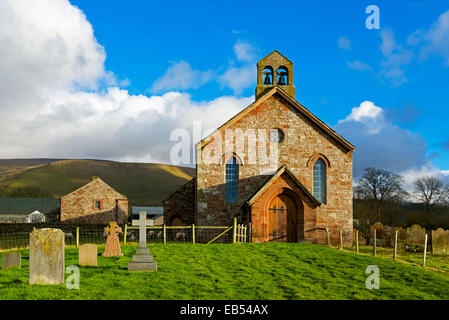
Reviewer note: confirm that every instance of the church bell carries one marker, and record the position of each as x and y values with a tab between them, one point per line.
267	79
281	81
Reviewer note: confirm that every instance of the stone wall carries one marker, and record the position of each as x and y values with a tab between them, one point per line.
304	142
79	206
181	204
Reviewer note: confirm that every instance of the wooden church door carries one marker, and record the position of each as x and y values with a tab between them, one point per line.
283	219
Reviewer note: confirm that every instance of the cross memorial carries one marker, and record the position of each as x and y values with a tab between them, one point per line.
142	223
142	260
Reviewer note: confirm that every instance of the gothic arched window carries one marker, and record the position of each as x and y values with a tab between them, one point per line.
319	180
232	177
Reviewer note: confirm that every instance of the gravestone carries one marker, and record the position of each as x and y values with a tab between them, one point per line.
401	237
112	247
142	260
10	260
414	238
440	242
46	256
88	255
380	234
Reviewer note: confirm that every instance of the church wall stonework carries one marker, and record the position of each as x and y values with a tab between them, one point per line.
181	204
304	142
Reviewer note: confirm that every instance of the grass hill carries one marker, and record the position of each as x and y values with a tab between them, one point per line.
142	183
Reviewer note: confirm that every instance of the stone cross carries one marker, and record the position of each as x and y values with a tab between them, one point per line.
142	223
142	260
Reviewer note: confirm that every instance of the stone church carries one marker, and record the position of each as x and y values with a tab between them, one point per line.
303	186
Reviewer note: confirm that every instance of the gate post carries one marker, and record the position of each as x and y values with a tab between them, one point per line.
235	230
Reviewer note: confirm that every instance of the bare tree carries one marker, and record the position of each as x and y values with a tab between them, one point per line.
431	192
379	188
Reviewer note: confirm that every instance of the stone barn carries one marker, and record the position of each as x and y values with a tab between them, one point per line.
96	203
274	165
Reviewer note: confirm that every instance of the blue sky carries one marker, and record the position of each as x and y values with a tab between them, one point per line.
402	68
142	38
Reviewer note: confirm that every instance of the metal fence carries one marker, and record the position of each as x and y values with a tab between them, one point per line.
75	236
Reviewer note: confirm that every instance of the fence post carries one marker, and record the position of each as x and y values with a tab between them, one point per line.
77	237
245	234
341	239
165	235
126	231
250	239
395	244
374	243
193	233
425	252
357	241
235	230
328	237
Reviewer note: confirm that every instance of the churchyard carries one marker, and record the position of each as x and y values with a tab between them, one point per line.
51	269
243	271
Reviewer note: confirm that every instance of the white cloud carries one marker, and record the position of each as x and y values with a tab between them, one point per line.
48	60
239	78
380	143
359	66
344	43
244	51
434	40
426	170
368	114
396	56
181	76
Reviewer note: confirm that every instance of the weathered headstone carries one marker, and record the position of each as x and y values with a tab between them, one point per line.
401	237
142	260
46	256
440	242
88	255
414	238
112	247
10	260
380	234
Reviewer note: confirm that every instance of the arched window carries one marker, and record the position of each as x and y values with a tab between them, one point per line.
319	180
232	177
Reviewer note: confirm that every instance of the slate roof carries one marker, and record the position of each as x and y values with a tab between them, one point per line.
24	206
148	210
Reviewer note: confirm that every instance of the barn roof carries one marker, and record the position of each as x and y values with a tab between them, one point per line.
25	206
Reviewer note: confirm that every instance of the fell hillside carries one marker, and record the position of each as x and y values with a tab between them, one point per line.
142	183
10	167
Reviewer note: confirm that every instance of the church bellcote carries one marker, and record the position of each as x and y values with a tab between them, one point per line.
274	70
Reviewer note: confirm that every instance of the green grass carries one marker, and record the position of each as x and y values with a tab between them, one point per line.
135	180
434	262
226	271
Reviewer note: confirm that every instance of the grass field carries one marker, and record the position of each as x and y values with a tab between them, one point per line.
143	183
226	271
